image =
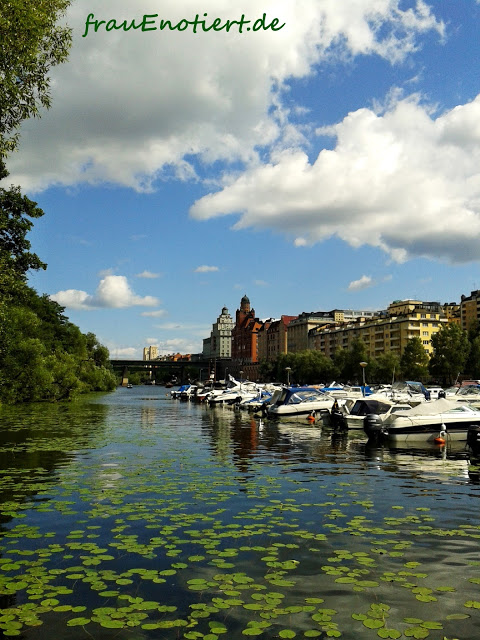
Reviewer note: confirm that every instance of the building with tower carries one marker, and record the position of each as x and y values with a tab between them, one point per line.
219	344
245	334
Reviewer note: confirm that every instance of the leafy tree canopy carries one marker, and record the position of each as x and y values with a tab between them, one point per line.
451	350
32	42
414	360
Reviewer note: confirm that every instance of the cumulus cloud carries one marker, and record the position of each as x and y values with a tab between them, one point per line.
125	352
128	105
363	283
148	275
405	181
113	292
205	269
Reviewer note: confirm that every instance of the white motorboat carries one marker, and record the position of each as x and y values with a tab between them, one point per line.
235	395
294	402
469	394
445	419
405	391
352	417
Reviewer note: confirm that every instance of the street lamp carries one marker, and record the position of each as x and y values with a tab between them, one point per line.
288	369
363	365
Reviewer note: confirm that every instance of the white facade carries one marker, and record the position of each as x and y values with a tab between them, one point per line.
219	345
150	353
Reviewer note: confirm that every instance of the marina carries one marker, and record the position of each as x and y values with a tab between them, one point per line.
134	515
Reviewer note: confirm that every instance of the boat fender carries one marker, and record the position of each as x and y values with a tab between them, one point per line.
372	425
311	417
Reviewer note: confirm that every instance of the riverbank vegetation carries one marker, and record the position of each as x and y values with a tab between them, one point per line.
43	356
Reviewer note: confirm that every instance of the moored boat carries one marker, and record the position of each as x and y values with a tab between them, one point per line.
440	419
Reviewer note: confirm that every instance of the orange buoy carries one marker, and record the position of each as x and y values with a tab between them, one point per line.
439	440
311	418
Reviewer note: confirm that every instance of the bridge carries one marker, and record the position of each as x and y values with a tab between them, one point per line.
203	367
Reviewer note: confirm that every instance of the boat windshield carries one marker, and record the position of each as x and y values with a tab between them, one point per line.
469	390
306	395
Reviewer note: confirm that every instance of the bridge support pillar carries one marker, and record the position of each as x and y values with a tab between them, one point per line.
125	377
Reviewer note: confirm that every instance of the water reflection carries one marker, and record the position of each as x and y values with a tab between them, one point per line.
166	519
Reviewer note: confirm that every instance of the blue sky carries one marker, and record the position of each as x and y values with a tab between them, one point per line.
334	163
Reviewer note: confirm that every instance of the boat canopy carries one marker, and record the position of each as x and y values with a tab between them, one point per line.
303	394
364	407
432	408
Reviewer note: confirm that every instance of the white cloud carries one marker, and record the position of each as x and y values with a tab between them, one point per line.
113	292
205	269
151	341
105	272
148	274
261	283
128	105
154	314
132	353
363	283
176	326
180	345
404	181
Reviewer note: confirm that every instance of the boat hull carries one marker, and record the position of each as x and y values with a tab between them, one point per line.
449	431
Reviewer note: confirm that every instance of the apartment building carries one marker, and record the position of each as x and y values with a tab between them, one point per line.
150	353
470	310
388	331
219	344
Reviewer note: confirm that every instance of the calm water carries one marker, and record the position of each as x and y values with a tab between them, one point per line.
135	516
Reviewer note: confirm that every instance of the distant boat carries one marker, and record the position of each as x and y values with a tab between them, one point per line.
129	386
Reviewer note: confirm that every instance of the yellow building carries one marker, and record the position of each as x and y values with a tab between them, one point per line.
388	331
470	310
299	328
150	353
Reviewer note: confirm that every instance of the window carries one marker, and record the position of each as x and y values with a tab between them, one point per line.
424	333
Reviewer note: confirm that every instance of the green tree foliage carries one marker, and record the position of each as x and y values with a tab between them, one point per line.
43	356
473	365
414	361
15	256
31	43
451	350
384	368
307	367
350	360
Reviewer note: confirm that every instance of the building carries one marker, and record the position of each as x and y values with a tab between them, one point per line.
470	310
452	312
389	331
262	339
219	344
276	338
245	334
150	353
298	334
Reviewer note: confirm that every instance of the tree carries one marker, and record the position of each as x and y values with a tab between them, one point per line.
32	42
385	367
414	360
15	211
450	351
473	365
352	371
